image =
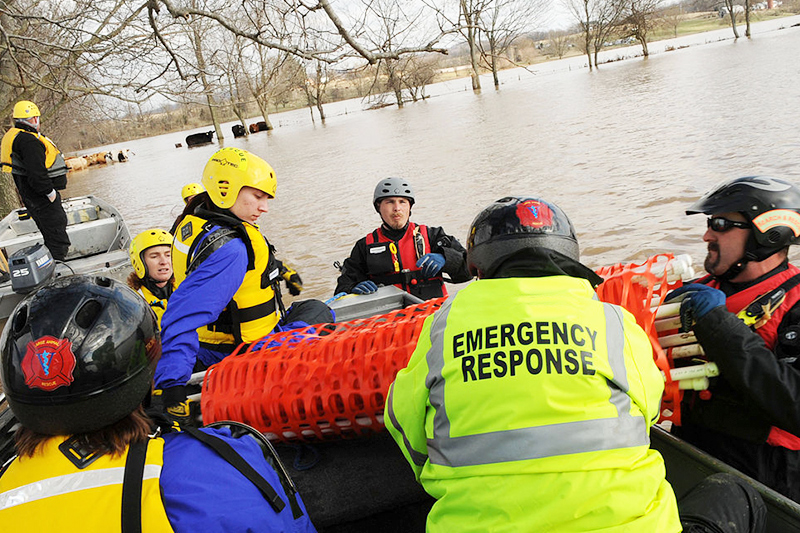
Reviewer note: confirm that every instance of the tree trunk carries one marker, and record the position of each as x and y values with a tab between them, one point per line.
473	48
645	51
201	65
261	102
9	198
747	18
493	50
320	88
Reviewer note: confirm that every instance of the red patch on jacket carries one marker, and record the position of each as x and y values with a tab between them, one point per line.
48	363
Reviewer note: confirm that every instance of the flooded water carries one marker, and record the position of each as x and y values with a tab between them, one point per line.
623	150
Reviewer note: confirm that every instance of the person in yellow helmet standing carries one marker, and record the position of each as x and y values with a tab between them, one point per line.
228	278
39	172
152	278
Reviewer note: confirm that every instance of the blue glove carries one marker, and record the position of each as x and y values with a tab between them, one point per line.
699	299
430	264
365	287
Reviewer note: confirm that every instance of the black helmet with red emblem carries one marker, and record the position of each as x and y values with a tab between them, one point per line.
516	222
78	355
771	205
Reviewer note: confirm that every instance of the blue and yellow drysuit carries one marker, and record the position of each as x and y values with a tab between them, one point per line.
186	487
526	406
227	294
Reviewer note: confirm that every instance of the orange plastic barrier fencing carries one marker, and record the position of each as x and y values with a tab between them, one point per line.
317	383
638	289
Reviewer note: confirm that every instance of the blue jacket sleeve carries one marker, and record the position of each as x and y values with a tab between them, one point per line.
203	492
196	302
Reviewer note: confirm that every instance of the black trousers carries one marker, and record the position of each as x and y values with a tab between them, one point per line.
723	503
51	220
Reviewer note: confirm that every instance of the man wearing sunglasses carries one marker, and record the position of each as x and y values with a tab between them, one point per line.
746	316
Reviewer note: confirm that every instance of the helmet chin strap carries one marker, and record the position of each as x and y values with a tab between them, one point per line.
734	270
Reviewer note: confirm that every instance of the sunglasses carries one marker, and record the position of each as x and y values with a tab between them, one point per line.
721	225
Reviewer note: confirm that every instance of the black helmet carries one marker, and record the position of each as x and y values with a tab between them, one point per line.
516	222
772	206
392	187
78	355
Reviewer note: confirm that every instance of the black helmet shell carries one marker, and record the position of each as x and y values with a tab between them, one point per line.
389	187
772	205
516	222
78	355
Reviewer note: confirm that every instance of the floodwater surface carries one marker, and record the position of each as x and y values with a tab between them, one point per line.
623	149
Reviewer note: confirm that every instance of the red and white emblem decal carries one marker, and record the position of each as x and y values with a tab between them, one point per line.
48	363
535	214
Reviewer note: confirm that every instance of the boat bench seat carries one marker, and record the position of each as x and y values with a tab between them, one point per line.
76	215
86	238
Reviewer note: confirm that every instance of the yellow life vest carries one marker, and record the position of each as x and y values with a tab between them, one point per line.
526	406
253	311
158	305
49	489
53	160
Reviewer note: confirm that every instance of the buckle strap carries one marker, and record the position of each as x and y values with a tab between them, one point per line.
236	460
132	488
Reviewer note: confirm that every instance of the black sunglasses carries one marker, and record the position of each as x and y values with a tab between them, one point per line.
721	225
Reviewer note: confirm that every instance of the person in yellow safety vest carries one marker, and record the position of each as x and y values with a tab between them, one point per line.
527	403
77	369
152	278
228	277
39	172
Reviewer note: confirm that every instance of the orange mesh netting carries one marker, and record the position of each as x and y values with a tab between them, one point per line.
316	383
640	288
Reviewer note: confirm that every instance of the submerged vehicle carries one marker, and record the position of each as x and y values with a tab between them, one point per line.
99	241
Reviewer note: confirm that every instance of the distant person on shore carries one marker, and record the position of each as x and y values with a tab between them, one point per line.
39	172
402	253
746	316
228	278
77	369
152	278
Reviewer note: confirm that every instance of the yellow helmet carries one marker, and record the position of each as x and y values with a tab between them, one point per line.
143	241
191	189
25	109
230	169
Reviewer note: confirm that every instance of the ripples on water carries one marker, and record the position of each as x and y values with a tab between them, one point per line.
623	150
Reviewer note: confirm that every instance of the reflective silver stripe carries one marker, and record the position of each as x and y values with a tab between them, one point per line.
418	458
60	485
183	248
534	442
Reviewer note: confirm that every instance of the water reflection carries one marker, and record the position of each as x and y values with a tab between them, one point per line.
623	150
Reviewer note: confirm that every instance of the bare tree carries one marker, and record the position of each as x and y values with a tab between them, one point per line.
729	5
501	22
672	17
747	18
560	42
597	19
639	19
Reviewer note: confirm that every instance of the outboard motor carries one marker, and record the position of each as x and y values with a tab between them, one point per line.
30	268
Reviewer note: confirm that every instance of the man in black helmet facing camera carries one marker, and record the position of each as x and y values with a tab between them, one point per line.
746	316
411	256
77	365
